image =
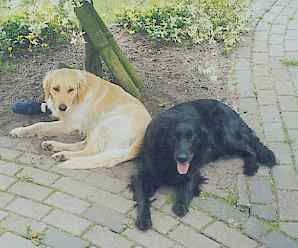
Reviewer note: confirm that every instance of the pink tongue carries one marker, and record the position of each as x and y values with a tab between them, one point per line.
182	167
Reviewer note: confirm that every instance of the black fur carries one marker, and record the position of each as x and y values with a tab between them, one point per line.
199	132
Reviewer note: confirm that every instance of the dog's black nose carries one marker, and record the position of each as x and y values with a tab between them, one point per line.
62	107
182	158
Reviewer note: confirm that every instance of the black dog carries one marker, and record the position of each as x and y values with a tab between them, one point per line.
180	141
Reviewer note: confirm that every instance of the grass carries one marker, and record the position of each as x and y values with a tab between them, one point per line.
289	62
107	9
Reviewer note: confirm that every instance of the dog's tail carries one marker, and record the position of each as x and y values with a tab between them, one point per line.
264	154
106	159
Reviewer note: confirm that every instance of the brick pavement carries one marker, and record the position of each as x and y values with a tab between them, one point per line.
44	206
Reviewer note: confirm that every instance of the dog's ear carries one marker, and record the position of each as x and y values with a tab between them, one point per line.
46	84
82	87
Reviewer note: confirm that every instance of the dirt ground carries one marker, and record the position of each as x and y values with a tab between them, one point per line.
171	74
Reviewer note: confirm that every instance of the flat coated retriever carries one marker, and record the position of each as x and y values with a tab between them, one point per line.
180	141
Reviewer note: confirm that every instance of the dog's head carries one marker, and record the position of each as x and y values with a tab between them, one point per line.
64	89
186	137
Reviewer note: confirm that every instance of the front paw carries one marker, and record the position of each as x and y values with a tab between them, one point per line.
180	209
60	156
47	145
144	223
19	132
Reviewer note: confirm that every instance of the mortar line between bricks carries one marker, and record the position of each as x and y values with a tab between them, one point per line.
294	87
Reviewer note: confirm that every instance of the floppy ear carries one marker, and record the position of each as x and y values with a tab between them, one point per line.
46	84
82	88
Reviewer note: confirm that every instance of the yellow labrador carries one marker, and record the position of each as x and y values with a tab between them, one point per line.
114	121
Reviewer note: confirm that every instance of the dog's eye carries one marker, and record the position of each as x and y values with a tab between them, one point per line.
56	89
70	90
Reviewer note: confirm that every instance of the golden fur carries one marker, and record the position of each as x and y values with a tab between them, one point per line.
114	121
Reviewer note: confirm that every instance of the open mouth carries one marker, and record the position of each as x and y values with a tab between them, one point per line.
183	168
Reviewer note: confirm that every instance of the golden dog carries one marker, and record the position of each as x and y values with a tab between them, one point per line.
114	121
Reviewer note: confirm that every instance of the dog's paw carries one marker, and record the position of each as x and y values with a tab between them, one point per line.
47	146
144	223
60	156
180	209
19	132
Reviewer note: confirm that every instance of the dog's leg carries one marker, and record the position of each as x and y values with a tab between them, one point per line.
51	145
243	149
185	193
250	164
42	129
143	221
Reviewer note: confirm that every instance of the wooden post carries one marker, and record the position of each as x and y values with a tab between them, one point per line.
104	43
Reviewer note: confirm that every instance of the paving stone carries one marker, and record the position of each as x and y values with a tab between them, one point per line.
189	238
260	58
266	97
20	224
196	219
39	176
107	183
277	240
39	161
260	36
9	168
67	202
104	216
260	46
270	114
284	88
5	182
278	29
261	71
288	103
12	241
162	223
248	105
276	64
80	175
242	64
291	228
285	177
30	190
113	201
283	152
5	198
228	236
267	212
274	132
261	191
245	87
263	83
280	74
29	208
7	142
290	119
254	228
276	39
276	51
94	194
67	222
288	205
220	210
107	239
243	198
58	239
9	154
74	187
3	215
291	45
